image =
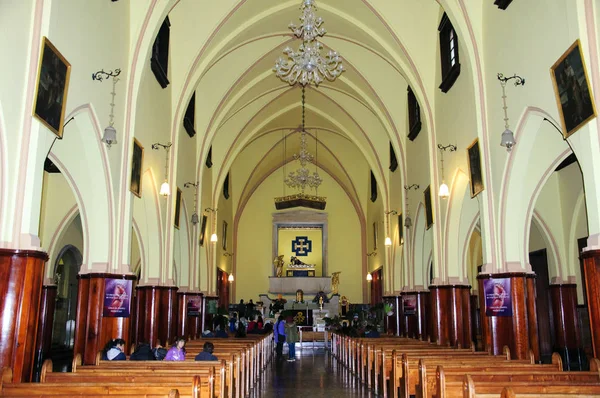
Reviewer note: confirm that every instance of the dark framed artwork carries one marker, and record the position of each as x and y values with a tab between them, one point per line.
224	237
572	90
51	88
400	230
177	208
428	207
203	229
375	235
137	159
475	175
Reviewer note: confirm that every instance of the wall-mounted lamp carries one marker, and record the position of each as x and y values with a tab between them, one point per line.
195	219
230	278
508	138
110	133
369	277
165	190
213	237
407	220
444	192
388	240
373	253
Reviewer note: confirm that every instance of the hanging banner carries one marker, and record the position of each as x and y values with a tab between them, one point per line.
498	301
193	306
117	298
409	304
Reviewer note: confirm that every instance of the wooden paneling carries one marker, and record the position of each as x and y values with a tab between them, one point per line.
534	337
21	276
188	326
45	322
591	264
450	309
156	314
167	330
566	321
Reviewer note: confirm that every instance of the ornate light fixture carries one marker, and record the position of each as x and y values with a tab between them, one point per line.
165	190
302	178
307	65
213	237
110	133
369	277
230	278
444	192
407	220
388	240
194	219
508	138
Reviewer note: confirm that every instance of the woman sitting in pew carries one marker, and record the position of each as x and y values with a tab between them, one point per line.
177	352
143	352
207	353
113	351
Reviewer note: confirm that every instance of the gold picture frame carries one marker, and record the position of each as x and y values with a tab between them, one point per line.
572	91
177	208
137	161
51	88
475	173
428	207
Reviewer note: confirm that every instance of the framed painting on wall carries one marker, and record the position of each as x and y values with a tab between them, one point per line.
202	229
224	237
375	235
474	159
572	90
137	158
400	230
51	88
177	208
428	207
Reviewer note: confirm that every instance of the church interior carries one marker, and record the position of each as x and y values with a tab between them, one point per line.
434	160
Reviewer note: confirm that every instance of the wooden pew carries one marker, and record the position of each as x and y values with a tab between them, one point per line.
530	389
581	392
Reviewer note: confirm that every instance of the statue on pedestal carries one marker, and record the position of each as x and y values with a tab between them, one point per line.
278	262
335	282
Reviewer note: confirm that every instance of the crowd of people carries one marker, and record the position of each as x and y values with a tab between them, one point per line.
114	351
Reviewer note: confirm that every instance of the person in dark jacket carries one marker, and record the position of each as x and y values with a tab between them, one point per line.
143	352
113	350
241	309
279	336
207	353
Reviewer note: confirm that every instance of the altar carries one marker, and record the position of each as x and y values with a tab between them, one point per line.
309	285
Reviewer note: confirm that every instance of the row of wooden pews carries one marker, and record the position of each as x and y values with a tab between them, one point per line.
238	369
401	367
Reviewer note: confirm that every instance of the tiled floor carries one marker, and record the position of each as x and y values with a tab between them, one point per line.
315	373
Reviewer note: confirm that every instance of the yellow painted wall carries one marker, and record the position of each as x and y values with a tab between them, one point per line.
254	262
286	237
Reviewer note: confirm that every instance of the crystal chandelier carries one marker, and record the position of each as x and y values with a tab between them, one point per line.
307	65
302	177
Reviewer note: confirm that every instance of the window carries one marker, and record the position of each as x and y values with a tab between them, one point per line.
226	187
502	4
449	53
159	62
414	116
373	188
188	119
209	158
393	159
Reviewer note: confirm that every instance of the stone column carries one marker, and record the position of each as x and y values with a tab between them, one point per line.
21	278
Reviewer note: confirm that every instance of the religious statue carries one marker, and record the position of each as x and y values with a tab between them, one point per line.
335	282
278	262
296	261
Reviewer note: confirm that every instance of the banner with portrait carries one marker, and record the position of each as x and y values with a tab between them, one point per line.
409	304
194	306
498	301
117	298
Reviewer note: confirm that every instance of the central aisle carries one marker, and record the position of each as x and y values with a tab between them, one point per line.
315	373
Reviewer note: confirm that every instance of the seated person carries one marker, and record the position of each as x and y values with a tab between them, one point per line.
207	353
113	351
177	352
372	332
241	332
159	352
232	323
143	352
208	334
221	333
252	326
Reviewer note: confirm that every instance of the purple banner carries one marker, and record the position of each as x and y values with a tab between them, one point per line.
193	306
498	301
117	298
409	304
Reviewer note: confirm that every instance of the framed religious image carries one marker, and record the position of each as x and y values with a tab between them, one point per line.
474	160
203	229
51	89
137	158
572	90
224	237
428	207
375	235
177	208
400	230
